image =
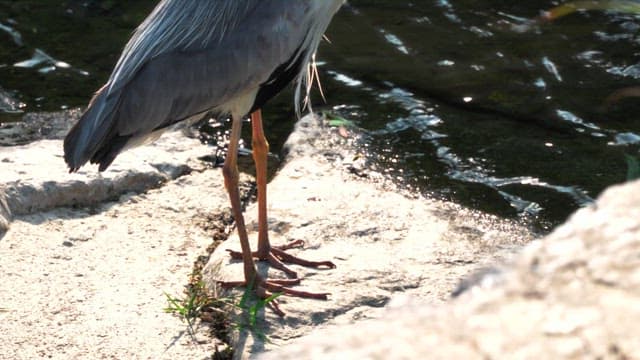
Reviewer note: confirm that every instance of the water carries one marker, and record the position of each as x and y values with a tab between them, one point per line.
452	100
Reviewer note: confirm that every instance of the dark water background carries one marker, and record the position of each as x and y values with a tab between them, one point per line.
452	100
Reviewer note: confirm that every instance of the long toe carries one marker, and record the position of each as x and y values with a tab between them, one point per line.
272	259
288	258
282	282
266	288
275	287
277	256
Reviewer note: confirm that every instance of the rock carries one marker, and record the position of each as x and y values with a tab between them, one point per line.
383	241
35	177
574	295
88	257
35	126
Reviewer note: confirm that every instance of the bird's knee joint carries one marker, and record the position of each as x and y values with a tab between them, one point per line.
261	144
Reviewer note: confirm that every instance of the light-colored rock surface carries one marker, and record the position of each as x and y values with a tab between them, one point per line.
85	267
88	257
35	126
574	294
384	243
30	186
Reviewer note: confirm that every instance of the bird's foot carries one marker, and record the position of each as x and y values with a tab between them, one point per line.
265	288
278	255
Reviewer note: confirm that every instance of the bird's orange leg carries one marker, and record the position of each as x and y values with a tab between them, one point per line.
230	173
275	255
263	287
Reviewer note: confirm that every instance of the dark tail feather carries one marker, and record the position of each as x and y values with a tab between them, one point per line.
89	139
107	153
73	155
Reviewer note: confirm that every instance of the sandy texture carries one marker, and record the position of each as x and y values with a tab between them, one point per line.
573	295
89	281
87	257
384	242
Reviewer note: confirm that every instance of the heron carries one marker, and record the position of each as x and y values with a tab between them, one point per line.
188	59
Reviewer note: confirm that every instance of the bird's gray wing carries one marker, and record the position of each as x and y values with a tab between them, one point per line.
276	37
178	82
177	25
173	26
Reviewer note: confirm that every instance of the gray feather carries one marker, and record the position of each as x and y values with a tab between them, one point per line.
190	57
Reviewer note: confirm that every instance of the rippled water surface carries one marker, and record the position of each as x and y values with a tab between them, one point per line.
455	100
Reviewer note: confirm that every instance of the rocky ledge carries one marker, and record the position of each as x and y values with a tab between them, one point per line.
88	258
